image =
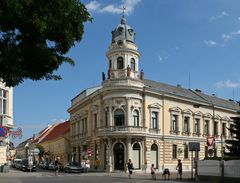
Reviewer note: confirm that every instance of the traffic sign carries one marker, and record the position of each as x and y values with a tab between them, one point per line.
3	131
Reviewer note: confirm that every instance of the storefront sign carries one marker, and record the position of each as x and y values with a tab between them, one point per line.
17	133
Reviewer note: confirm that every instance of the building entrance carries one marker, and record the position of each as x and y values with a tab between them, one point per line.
119	156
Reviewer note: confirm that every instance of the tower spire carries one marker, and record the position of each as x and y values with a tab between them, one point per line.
123	8
123	20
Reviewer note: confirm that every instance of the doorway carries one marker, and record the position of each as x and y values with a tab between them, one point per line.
119	156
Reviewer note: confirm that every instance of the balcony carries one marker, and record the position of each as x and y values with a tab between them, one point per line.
113	130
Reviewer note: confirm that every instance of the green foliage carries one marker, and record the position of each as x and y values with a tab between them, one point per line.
233	145
35	35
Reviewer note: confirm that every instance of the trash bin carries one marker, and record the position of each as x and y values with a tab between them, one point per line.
5	168
1	168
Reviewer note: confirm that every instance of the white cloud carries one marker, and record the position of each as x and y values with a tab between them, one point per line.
164	56
226	37
57	120
221	15
95	6
111	9
227	84
210	43
237	33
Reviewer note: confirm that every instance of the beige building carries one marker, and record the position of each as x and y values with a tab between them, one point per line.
56	142
147	121
6	119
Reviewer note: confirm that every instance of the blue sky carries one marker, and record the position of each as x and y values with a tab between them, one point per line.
176	38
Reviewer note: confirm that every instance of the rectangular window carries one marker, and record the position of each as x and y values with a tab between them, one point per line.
154	120
186	151
84	125
3	102
106	118
230	133
174	122
174	151
206	127
95	121
215	128
196	125
186	124
224	129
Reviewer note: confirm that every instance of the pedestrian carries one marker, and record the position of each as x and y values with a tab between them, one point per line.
57	167
153	172
130	168
166	172
179	169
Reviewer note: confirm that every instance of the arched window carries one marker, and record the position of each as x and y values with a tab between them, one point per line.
133	64
119	117
120	63
136	118
154	155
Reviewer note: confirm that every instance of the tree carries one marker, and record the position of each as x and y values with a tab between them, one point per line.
233	145
41	149
35	35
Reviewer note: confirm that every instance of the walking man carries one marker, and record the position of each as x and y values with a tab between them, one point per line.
179	169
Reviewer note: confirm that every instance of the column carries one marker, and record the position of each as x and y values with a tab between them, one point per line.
128	112
109	155
129	148
110	114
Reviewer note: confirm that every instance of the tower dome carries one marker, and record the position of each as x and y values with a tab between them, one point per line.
123	32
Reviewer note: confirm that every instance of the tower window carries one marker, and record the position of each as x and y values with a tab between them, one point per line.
132	64
120	63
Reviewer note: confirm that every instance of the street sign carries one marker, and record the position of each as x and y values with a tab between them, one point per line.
36	151
210	141
194	146
3	131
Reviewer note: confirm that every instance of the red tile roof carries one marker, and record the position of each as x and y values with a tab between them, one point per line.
58	131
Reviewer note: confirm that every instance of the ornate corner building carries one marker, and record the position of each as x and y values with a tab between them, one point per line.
130	117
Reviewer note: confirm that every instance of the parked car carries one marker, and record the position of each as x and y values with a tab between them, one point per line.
17	163
26	167
73	167
53	167
44	165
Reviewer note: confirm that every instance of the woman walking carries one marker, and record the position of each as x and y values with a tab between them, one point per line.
130	168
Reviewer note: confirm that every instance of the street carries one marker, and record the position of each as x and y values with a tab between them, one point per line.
16	176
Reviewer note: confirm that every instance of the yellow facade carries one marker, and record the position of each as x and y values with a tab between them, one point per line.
58	147
129	117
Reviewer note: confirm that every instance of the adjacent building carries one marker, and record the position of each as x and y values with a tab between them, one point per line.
129	117
56	143
6	120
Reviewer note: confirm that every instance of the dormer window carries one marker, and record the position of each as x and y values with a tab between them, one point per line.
120	29
120	63
132	64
